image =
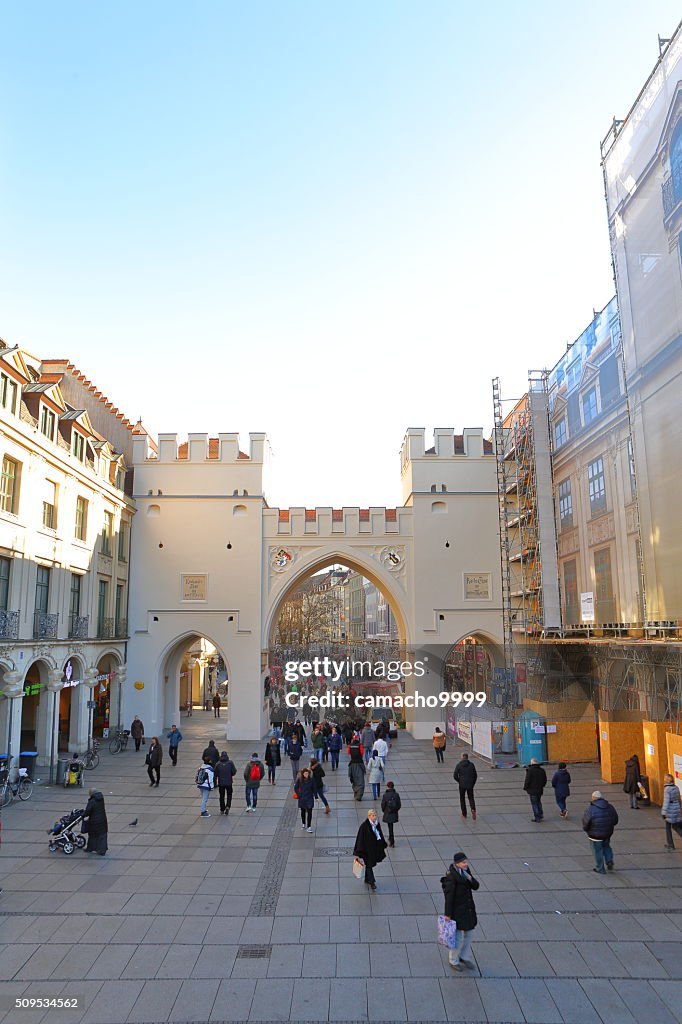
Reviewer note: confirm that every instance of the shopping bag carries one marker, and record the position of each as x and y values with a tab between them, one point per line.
358	867
447	932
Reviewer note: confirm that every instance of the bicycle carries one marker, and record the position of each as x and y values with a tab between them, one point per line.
120	741
91	756
22	786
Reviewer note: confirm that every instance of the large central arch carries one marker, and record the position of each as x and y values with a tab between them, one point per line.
316	561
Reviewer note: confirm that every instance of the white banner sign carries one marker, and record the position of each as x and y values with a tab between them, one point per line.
587	606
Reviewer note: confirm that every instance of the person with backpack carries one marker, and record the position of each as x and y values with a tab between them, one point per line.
390	805
295	753
465	776
439	740
212	753
335	745
153	760
671	810
317	772
225	771
534	785
273	758
304	789
561	783
375	774
253	773
599	821
458	885
174	740
205	782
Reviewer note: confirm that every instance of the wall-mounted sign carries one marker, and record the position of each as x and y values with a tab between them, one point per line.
650	749
68	676
464	731
587	606
139	686
194	588
477	586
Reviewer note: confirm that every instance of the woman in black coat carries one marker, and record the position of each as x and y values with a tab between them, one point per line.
154	759
304	788
96	824
273	759
458	886
390	805
632	779
370	846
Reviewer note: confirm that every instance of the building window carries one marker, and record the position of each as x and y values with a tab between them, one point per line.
120	478
605	608
589	406
42	589
5	564
50	505
9	485
631	468
81	530
560	436
102	597
571	609
123	542
676	163
120	610
75	596
107	532
78	446
573	374
8	393
597	486
48	421
565	504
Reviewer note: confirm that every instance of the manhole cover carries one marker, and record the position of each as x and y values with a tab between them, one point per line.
254	952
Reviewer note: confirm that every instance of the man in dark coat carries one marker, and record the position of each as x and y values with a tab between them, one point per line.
153	760
216	705
137	731
225	771
465	776
536	780
212	753
95	821
561	782
632	780
599	821
390	805
458	885
370	845
294	750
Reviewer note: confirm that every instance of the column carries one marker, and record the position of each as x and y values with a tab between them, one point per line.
14	695
85	693
48	718
117	707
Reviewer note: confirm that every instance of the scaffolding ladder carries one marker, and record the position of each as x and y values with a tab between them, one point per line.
502	479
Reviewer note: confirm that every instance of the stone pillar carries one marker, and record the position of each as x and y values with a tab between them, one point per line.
48	718
85	693
116	707
14	695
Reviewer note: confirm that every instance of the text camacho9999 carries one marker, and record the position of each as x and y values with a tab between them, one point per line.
386	702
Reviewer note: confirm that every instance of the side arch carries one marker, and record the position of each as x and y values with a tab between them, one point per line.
168	670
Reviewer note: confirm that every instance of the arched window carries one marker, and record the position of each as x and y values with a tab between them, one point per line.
676	162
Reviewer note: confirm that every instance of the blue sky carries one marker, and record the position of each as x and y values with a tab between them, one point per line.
326	221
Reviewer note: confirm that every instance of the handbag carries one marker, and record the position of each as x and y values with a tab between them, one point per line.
147	759
358	867
144	742
447	932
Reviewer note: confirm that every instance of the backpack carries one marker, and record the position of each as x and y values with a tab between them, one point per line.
254	774
202	776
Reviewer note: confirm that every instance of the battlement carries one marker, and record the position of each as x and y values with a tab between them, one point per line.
349	521
446	444
200	448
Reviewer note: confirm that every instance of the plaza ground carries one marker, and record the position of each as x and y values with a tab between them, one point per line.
247	918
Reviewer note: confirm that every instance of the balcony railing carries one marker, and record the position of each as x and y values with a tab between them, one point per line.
105	629
78	627
9	625
672	197
45	626
121	628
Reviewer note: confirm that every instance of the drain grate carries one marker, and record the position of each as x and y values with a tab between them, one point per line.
334	851
254	952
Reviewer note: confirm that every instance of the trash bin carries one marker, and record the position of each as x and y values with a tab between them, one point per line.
644	798
27	760
62	765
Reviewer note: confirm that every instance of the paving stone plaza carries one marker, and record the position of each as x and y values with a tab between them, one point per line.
247	918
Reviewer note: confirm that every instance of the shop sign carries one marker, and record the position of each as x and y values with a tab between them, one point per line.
68	676
31	689
140	686
677	770
587	606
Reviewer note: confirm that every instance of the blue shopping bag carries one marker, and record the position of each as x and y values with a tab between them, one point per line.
447	932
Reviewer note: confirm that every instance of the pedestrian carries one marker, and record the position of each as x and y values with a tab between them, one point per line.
216	705
253	773
348	732
390	805
465	775
318	742
599	821
633	777
225	771
273	759
174	741
375	774
205	781
153	761
318	773
370	845
95	823
212	753
335	744
381	747
560	782
137	731
294	752
367	740
671	810
326	732
304	788
189	708
356	774
534	785
300	732
439	740
459	885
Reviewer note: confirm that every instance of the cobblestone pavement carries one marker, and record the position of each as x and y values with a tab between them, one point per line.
247	918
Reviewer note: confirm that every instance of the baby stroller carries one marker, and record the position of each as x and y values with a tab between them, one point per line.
63	833
73	776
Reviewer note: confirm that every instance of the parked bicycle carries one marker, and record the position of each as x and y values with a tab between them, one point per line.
91	756
21	786
120	741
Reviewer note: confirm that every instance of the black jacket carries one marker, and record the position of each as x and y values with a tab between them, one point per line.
370	849
458	887
225	772
212	753
318	774
273	755
155	755
632	775
600	819
536	780
96	815
390	805
561	781
294	750
465	774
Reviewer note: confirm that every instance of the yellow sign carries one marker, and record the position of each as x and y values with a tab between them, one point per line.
139	686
